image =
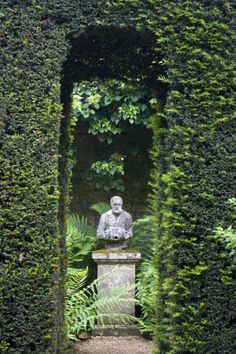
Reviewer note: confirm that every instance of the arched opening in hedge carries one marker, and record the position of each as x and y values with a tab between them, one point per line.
123	54
109	52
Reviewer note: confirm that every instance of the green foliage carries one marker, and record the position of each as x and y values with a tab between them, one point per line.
4	346
228	235
100	208
115	165
80	240
103	174
147	276
76	280
106	105
147	293
143	236
85	309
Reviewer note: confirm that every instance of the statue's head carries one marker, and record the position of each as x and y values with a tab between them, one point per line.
116	204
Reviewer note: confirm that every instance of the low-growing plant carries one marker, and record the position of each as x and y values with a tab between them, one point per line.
142	239
100	207
146	292
85	308
80	240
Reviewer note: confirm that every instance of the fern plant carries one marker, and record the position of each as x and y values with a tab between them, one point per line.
85	309
146	273
75	279
100	207
143	236
146	292
80	240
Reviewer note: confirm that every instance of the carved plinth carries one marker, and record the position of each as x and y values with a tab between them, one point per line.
116	271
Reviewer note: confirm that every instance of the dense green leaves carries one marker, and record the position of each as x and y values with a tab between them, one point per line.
108	105
105	174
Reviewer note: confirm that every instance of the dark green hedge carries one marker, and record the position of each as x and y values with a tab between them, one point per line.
32	52
196	304
191	48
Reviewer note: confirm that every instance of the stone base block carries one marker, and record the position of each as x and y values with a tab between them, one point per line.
116	274
116	330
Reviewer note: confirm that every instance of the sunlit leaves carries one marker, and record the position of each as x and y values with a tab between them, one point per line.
107	106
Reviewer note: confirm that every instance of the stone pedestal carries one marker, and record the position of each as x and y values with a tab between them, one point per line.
116	270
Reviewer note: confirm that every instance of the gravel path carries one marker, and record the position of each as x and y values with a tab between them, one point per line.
114	345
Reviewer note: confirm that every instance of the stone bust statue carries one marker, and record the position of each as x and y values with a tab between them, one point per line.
115	225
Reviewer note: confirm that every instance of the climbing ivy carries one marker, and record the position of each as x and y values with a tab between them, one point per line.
103	174
108	107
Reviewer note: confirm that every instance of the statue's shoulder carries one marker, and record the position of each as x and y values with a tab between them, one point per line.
107	213
127	215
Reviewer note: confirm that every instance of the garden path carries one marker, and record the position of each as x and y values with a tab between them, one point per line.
114	345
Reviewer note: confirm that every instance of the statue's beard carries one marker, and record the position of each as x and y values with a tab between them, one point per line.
117	211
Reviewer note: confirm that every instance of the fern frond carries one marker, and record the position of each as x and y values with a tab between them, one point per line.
79	226
146	292
85	308
80	239
100	207
143	236
76	279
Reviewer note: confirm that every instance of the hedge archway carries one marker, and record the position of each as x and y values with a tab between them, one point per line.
125	54
192	180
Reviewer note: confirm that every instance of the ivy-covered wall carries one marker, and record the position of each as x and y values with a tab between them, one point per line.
193	157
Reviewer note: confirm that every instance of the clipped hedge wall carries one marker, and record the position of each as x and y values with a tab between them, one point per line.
32	52
192	179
